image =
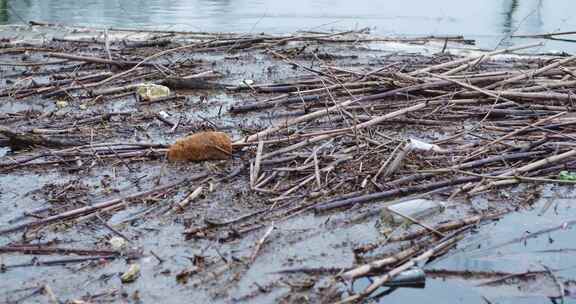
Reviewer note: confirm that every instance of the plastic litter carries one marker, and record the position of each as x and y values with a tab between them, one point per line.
60	104
118	243
201	146
164	114
131	274
411	278
403	150
567	176
246	83
417	209
415	278
151	92
418	145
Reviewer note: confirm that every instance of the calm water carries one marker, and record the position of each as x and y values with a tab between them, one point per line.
489	21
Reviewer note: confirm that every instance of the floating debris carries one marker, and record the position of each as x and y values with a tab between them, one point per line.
131	274
117	243
152	92
201	146
61	104
331	132
567	176
412	209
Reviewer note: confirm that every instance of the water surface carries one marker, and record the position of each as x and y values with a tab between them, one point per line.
488	21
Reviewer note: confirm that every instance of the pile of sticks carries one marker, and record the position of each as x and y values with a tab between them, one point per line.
505	125
339	134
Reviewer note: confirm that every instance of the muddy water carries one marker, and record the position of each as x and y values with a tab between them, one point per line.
491	22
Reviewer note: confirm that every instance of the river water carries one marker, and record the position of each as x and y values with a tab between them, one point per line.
490	22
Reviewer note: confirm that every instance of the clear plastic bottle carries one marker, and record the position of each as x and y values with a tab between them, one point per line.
416	209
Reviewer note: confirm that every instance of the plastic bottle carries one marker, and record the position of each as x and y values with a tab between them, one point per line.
416	208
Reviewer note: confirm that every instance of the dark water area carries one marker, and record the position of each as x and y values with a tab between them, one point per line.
490	22
534	240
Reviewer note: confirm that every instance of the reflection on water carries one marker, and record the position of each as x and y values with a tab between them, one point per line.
489	21
510	7
3	11
512	21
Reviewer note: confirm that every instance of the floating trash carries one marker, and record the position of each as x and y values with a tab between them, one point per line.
417	209
131	274
202	146
118	243
151	92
